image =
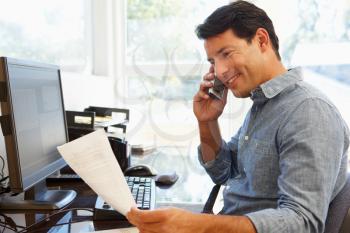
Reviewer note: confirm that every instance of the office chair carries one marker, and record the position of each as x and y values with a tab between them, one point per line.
338	217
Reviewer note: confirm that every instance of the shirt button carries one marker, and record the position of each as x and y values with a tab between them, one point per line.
246	138
244	173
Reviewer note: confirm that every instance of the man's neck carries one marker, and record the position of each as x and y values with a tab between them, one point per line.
276	69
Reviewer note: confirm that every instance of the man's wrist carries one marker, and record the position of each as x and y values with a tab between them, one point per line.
210	138
207	123
224	223
206	127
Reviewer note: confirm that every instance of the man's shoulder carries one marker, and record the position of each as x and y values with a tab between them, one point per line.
303	91
304	99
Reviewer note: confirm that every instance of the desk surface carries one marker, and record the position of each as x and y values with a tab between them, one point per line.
192	188
189	192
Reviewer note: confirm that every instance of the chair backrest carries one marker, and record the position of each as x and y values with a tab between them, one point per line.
338	218
208	206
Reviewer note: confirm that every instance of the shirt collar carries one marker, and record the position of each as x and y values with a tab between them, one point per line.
273	87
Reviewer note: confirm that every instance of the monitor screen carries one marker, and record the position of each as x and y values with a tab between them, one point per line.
37	118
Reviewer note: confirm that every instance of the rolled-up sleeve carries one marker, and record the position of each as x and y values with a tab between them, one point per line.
312	155
224	165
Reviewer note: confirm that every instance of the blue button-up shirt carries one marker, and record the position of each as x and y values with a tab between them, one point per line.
288	159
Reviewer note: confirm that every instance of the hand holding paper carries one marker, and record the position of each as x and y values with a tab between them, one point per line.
92	158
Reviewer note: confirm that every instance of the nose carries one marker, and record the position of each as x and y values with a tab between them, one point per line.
221	70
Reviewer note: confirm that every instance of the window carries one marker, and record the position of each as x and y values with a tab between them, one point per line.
162	49
164	64
46	31
165	61
315	34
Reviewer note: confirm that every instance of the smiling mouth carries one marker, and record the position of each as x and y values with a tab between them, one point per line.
232	79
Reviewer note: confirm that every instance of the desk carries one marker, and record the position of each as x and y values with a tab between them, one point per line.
189	192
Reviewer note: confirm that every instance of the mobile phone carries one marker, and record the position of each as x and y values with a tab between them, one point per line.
217	91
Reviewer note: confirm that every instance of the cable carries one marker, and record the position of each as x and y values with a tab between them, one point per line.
4	178
9	223
3	167
1	223
4	190
4	225
59	224
51	215
13	227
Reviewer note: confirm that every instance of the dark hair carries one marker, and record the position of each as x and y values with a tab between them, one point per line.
243	18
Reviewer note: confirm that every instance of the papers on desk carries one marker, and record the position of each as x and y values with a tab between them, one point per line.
92	158
115	119
122	230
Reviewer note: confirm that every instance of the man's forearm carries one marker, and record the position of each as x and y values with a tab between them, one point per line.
228	224
210	138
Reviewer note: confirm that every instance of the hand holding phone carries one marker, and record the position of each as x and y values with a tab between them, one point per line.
217	91
210	100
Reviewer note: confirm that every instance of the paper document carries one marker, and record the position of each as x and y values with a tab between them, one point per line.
92	158
121	230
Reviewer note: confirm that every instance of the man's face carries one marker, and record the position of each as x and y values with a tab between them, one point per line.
237	63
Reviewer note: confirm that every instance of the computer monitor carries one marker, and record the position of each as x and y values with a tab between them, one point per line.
33	123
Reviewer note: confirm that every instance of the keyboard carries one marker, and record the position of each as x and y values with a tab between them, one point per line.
143	192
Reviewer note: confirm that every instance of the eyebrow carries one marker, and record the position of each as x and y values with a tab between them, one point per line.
220	51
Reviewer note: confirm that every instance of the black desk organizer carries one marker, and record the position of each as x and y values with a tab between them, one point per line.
77	129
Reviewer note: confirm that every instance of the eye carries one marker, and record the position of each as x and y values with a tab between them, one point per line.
226	54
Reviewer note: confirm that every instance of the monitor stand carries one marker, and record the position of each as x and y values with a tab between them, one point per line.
38	199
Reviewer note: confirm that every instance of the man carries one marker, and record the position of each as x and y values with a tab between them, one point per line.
289	158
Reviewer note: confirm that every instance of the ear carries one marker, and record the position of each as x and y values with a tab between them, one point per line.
263	39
